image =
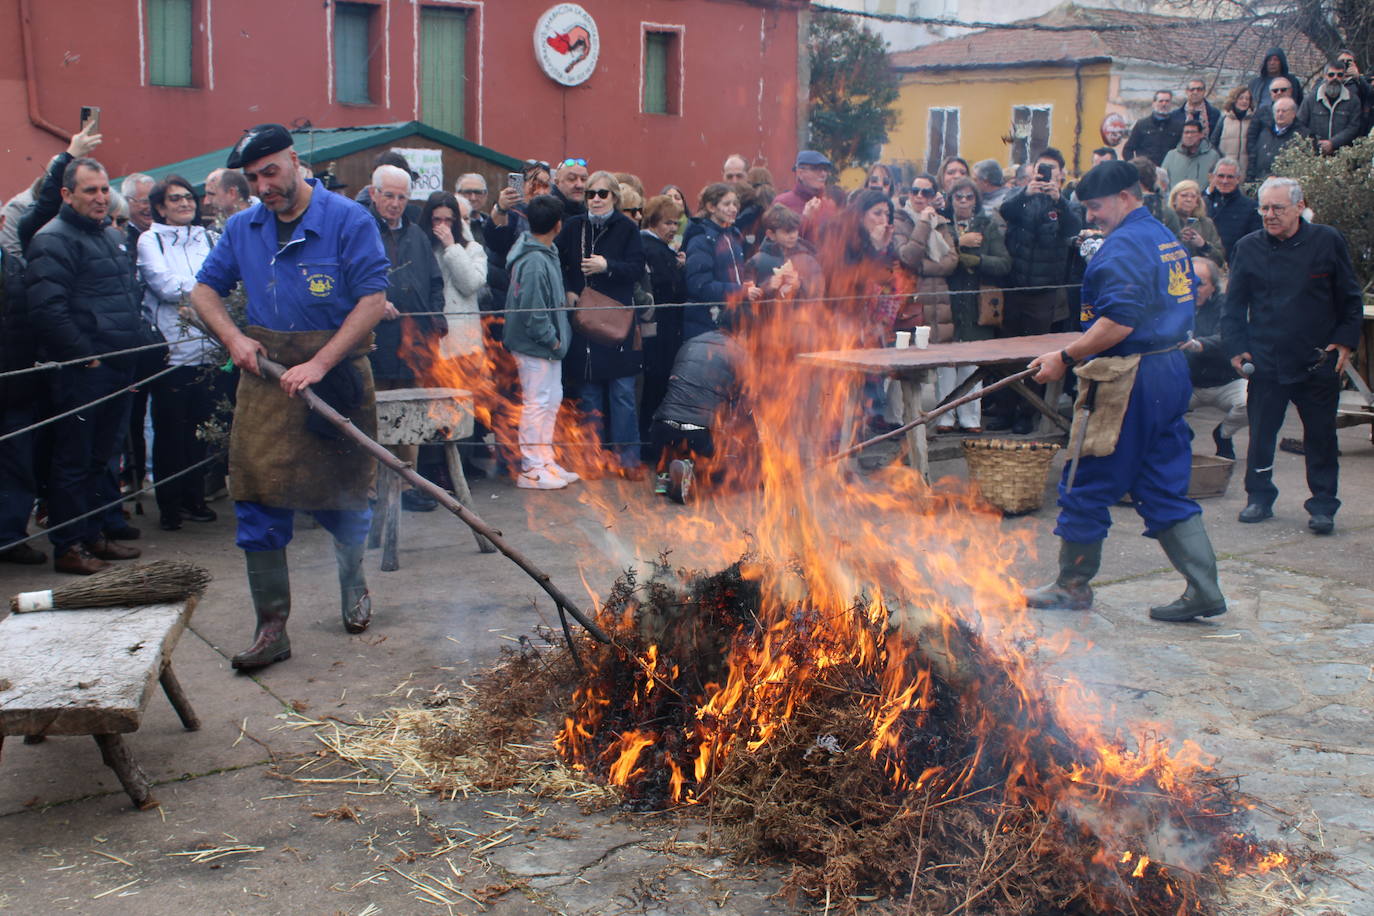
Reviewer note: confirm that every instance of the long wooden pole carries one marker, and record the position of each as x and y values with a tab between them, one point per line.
274	370
932	414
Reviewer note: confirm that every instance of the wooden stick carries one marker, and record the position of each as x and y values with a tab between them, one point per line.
273	370
932	414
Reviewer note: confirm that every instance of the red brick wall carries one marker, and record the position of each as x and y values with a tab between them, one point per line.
269	63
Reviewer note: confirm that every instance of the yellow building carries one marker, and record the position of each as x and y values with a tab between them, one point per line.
1054	80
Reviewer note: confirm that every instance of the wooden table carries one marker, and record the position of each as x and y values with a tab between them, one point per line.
419	416
91	672
913	368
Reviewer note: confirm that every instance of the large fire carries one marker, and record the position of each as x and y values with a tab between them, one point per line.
869	660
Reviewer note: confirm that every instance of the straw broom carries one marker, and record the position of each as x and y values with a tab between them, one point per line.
158	582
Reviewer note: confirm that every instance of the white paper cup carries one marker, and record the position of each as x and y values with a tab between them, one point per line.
903	339
923	337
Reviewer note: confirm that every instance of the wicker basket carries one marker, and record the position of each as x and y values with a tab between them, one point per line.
1010	473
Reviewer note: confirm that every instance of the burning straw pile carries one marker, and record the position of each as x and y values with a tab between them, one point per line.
911	763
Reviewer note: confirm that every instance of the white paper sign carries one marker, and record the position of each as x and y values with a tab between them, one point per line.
428	164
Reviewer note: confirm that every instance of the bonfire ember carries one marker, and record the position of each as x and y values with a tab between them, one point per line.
929	769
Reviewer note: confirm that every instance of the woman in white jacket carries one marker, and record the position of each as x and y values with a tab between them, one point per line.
170	254
463	264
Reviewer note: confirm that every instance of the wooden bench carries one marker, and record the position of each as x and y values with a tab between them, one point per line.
419	416
91	672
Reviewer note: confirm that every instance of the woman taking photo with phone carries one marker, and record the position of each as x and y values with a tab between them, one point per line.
1198	233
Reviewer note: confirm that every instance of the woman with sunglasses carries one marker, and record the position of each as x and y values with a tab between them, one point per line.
929	256
601	250
170	254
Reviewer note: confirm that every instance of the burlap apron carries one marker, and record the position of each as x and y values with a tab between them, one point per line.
1109	380
274	459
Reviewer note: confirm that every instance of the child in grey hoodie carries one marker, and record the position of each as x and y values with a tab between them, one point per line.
537	335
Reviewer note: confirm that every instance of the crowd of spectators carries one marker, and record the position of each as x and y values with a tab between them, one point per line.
510	284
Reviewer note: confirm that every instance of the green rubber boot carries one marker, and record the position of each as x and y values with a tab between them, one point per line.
355	604
1190	550
270	586
1078	563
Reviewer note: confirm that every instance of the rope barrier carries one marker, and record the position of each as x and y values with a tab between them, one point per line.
41	367
127	389
772	302
105	508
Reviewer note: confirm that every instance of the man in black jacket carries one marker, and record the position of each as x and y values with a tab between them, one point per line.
1156	133
705	379
413	320
1235	214
1040	225
1333	116
1293	302
1215	382
1271	138
83	302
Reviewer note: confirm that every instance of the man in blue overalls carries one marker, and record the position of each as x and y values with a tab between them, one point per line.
1137	299
315	275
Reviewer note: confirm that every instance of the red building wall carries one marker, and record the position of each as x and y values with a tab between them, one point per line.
267	60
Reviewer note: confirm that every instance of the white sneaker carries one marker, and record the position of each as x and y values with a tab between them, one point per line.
563	473
540	479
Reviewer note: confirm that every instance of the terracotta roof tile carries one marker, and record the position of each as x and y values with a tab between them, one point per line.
1227	44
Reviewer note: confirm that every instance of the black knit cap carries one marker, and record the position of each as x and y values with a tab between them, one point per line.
259	141
1107	178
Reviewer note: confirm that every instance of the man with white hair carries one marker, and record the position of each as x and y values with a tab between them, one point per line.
1284	130
1293	313
135	189
226	193
315	274
413	320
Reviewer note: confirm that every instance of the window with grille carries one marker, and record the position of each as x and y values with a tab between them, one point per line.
661	72
943	137
1030	132
353	53
170	33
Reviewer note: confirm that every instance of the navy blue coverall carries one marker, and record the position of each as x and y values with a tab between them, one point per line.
1141	278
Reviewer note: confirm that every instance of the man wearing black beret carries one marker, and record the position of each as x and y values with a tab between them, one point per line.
315	273
1138	305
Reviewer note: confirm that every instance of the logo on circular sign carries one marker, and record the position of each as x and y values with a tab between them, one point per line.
566	44
1114	129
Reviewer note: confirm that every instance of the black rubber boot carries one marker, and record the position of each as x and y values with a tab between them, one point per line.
355	604
1190	550
270	586
1078	563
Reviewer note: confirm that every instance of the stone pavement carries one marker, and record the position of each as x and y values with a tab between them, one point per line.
1280	689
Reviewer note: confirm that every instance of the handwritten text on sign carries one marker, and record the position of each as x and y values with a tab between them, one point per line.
428	165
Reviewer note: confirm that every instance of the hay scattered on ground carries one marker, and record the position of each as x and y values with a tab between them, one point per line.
494	736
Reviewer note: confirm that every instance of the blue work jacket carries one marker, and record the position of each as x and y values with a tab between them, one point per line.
335	257
1141	278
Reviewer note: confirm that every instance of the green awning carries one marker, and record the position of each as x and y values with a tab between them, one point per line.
320	145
